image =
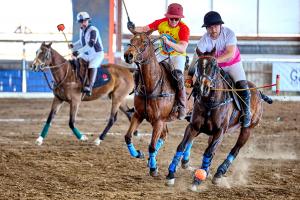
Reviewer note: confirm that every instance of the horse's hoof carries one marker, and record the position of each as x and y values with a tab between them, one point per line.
170	182
97	142
154	172
216	179
83	138
194	188
184	164
39	141
140	154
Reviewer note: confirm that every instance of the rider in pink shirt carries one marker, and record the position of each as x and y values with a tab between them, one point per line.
228	57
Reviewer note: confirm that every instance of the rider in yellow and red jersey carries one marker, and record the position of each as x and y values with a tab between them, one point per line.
176	35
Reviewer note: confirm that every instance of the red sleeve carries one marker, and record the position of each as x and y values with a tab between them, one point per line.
154	25
184	32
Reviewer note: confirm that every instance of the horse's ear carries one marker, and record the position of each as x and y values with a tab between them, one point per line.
43	44
49	45
213	51
199	53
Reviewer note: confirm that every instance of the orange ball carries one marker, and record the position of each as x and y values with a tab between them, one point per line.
200	174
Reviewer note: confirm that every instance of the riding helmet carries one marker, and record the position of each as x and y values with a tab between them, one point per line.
212	18
81	16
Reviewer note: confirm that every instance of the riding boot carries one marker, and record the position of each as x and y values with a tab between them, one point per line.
92	72
181	95
246	106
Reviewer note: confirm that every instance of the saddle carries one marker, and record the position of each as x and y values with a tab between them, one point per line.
80	67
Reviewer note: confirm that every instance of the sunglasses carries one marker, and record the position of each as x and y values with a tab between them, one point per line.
174	19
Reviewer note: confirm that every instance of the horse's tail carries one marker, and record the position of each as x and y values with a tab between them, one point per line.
266	98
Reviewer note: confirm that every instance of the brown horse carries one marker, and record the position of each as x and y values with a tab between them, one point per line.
68	88
214	114
154	97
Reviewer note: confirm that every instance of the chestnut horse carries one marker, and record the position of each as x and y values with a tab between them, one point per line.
214	114
68	88
154	96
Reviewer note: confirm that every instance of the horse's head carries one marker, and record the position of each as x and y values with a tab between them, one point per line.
138	48
42	58
207	71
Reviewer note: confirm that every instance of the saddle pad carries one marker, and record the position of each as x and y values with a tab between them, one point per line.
102	78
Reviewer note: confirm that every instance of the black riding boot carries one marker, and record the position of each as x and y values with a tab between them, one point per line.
246	96
181	95
92	72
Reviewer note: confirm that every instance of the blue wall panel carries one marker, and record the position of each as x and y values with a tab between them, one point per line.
10	80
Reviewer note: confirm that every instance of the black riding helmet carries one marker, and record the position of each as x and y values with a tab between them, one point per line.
212	18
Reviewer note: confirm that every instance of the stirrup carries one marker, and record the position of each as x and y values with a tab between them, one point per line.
87	90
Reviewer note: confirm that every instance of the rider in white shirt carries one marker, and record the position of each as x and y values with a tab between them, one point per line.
89	47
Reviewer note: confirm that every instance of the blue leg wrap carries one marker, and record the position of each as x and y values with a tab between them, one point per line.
159	144
77	133
152	160
133	152
44	132
222	169
175	161
206	162
187	151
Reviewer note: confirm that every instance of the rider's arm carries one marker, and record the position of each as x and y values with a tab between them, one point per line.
228	54
180	47
142	29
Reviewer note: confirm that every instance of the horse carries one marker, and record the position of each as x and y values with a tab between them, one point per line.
154	96
68	86
214	113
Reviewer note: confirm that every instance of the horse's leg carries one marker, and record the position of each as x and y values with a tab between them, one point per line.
158	128
116	102
73	113
128	112
135	122
207	157
56	105
183	149
222	169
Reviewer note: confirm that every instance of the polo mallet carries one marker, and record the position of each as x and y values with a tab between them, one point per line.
126	11
61	28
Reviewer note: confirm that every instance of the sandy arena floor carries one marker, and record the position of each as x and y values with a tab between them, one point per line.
268	166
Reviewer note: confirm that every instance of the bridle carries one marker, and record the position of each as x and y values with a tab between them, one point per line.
214	65
140	51
42	66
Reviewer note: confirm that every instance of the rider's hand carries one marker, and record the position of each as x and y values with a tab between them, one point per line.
70	46
75	53
165	39
188	82
130	25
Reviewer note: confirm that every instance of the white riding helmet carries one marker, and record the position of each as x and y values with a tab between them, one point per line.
82	16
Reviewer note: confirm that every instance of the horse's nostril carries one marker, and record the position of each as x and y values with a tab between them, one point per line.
128	57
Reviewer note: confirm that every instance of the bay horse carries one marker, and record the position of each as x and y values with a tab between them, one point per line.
68	88
154	96
215	113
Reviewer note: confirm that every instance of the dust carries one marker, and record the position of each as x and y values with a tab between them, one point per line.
271	147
